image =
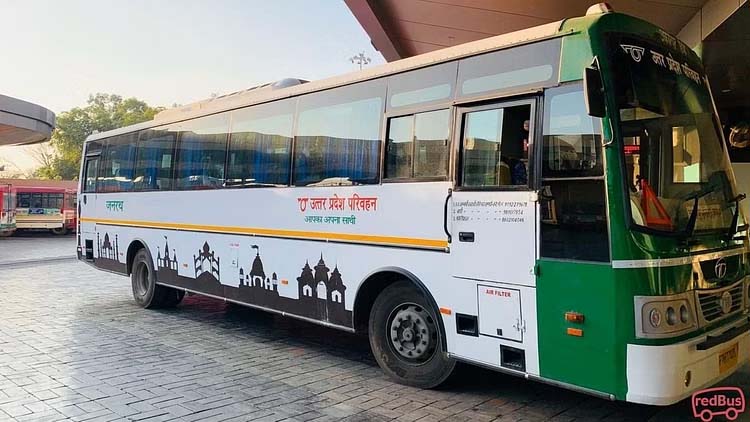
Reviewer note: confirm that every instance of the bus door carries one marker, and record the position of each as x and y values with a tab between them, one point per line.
493	211
87	202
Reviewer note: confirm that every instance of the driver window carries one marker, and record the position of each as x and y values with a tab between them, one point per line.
573	200
495	148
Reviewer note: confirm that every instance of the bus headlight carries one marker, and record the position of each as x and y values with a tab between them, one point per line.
664	316
654	317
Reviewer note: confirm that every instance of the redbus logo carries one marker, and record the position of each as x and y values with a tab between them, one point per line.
726	401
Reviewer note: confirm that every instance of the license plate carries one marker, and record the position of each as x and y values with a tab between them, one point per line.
728	358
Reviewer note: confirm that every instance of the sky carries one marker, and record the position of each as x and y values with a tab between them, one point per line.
57	53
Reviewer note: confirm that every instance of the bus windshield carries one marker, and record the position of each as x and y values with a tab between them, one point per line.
676	168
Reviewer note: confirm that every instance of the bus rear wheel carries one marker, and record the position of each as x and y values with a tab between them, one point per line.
60	231
146	292
406	338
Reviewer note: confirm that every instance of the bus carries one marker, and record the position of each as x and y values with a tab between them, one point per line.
7	210
555	203
46	208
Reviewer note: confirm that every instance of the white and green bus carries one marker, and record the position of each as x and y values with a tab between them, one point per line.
555	203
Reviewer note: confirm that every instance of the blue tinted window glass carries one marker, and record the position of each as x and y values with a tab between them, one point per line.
338	136
260	145
201	152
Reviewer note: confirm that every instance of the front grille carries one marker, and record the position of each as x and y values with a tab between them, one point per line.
710	302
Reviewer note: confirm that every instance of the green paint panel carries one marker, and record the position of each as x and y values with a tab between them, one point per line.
595	360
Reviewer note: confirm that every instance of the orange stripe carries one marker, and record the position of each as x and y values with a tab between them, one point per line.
296	234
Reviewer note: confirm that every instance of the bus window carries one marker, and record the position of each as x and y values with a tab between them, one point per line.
260	145
417	146
422	87
495	147
338	136
154	163
431	144
89	174
400	148
511	70
201	152
116	164
573	207
24	198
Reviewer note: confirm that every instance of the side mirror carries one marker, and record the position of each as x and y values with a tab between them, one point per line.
594	90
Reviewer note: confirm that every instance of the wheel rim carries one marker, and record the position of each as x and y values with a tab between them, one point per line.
412	333
141	280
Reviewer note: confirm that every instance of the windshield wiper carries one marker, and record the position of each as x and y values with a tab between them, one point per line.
733	229
690	226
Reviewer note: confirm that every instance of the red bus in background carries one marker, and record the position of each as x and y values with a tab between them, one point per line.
51	208
7	210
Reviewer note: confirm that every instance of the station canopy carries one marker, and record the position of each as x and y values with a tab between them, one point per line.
24	123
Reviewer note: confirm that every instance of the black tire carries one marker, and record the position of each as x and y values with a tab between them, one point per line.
406	337
60	231
172	297
146	292
6	233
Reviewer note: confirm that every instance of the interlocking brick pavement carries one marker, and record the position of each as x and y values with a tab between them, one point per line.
75	347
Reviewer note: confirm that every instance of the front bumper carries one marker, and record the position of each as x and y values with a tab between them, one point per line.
657	374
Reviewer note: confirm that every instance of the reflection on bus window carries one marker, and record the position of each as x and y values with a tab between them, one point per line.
260	145
418	146
425	86
400	148
686	156
495	147
154	164
90	175
338	136
201	152
573	206
572	142
116	164
431	143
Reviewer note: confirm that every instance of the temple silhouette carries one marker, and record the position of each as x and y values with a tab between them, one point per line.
321	291
166	264
108	254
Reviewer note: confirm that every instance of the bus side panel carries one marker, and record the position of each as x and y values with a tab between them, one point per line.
590	357
311	279
230	243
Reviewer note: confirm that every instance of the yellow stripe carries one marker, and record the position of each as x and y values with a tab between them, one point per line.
296	234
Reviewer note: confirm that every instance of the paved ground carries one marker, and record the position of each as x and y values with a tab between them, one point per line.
74	346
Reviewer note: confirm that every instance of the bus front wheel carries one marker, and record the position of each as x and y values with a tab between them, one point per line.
406	338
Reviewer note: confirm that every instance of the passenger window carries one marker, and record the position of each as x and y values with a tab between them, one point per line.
573	199
260	145
495	147
338	136
201	152
117	164
417	146
154	163
421	87
400	148
510	70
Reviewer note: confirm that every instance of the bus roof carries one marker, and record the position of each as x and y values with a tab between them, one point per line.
266	93
37	183
43	189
